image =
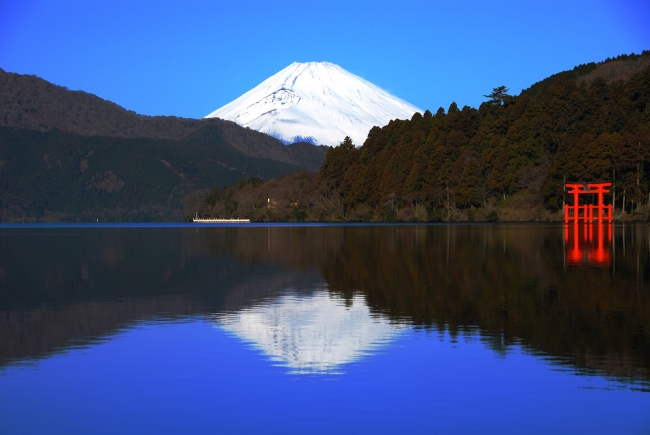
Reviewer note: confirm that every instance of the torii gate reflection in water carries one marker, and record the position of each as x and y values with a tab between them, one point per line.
585	250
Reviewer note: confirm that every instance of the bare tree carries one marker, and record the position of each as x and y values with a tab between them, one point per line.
249	201
420	212
327	203
392	201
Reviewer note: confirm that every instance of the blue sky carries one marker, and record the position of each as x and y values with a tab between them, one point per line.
167	57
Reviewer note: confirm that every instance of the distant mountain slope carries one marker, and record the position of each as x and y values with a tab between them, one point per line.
318	102
56	175
623	68
30	102
303	155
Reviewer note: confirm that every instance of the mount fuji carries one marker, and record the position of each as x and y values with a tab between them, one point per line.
317	102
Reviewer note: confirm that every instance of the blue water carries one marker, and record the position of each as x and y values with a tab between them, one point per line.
182	366
191	377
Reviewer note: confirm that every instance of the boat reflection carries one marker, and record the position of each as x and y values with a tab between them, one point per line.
316	333
588	244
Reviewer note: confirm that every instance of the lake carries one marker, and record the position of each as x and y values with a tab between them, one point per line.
346	329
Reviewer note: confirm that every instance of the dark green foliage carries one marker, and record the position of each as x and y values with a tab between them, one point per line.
498	96
468	189
540	87
214	196
339	158
230	203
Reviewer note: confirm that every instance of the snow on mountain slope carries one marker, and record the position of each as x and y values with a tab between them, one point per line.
315	101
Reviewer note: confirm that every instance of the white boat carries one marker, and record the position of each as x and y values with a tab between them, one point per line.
220	221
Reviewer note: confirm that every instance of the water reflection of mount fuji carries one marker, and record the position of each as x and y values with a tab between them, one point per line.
514	284
315	333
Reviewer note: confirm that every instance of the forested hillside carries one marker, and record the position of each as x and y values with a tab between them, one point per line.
506	160
59	176
72	156
30	102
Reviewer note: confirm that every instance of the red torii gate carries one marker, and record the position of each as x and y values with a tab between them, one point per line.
577	189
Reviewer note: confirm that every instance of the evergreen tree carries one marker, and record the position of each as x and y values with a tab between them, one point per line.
468	191
498	96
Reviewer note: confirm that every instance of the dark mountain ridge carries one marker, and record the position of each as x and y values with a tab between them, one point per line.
29	102
620	68
72	156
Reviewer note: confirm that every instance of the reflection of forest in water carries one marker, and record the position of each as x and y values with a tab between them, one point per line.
514	284
510	284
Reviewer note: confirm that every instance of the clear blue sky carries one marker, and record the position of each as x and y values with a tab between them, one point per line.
188	58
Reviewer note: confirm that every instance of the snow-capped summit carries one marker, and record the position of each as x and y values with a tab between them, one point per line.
318	102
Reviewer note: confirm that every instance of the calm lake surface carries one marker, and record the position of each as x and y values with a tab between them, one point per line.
325	329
